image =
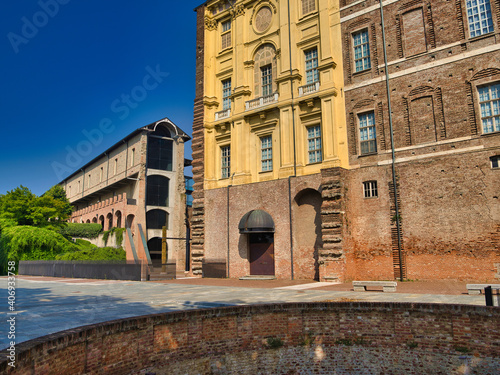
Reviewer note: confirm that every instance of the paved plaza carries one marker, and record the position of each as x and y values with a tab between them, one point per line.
48	305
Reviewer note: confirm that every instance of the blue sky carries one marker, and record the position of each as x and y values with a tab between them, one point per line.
73	67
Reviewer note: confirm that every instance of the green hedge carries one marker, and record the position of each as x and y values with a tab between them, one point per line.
98	253
32	243
84	230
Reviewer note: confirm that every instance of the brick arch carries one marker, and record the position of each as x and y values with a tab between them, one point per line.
485	73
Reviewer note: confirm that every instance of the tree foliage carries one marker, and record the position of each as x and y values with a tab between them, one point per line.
32	243
51	210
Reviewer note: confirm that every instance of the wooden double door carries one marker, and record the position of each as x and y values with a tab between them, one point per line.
261	248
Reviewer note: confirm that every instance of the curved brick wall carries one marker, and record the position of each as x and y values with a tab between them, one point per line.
346	338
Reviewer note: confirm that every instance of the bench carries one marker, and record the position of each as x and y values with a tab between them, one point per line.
478	288
387	286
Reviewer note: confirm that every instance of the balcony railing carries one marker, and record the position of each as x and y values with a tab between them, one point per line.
261	102
225	113
309	88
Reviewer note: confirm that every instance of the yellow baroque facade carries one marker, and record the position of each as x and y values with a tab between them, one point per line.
273	90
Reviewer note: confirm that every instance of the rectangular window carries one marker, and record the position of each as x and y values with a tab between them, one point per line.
414	32
267	80
361	51
312	74
226	94
132	157
370	189
225	161
489	101
479	17
314	143
367	135
115	169
226	34
88	182
495	162
308	6
101	174
267	153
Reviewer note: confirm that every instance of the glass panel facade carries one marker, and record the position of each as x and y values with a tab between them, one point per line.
156	219
160	153
157	191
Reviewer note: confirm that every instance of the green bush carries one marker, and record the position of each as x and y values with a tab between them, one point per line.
32	243
84	230
84	244
96	253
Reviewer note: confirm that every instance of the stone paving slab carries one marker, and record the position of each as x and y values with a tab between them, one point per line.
49	306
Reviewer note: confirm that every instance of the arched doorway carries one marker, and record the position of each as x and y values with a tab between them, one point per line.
101	221
154	246
129	221
259	226
307	233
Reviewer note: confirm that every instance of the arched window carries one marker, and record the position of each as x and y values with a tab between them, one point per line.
157	219
265	71
157	191
109	221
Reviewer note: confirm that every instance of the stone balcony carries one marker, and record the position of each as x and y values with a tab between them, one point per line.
225	113
309	88
261	102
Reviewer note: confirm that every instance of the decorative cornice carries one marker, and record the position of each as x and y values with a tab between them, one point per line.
239	10
210	101
210	23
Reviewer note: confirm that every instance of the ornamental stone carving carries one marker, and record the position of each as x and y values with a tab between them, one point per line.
210	23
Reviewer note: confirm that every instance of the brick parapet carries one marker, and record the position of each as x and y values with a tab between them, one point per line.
428	333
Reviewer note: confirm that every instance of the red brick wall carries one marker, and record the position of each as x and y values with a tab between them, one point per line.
326	337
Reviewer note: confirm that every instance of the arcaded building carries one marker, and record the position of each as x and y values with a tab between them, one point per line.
137	184
299	155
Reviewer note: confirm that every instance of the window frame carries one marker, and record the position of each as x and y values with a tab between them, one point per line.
312	157
489	85
368	126
307	7
226	34
491	24
495	162
370	189
314	69
226	94
266	153
225	168
266	79
363	56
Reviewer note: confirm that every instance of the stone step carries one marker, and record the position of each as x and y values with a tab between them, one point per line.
258	277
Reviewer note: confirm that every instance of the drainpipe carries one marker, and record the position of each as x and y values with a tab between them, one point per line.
227	229
294	147
396	205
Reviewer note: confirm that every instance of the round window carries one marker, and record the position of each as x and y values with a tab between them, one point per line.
263	19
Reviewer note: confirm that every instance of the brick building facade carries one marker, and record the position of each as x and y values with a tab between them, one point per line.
137	184
443	61
337	219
